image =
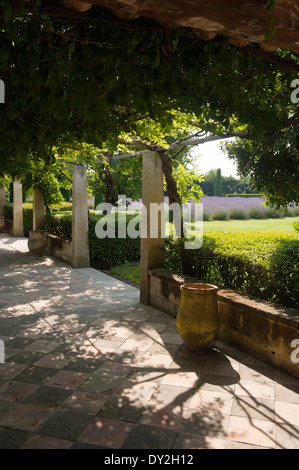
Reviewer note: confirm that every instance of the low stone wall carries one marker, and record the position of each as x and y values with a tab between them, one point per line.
59	247
260	329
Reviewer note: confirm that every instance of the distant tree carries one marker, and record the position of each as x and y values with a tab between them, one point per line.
218	183
208	183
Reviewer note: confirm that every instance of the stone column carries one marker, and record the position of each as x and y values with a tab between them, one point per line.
152	249
18	226
80	247
38	210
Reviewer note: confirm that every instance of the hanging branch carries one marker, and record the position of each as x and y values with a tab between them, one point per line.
65	176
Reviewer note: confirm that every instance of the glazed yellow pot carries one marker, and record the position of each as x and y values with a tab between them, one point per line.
198	319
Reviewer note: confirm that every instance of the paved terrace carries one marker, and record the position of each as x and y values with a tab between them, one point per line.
88	366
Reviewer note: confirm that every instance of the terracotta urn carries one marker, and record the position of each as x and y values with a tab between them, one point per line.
198	318
37	242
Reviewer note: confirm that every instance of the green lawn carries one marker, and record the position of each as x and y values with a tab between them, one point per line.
130	271
284	224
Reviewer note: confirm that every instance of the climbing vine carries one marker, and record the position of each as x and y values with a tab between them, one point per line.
90	82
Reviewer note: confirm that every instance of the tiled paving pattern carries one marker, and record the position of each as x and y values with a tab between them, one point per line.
88	366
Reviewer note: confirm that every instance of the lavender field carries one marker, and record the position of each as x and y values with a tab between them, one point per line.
238	208
224	208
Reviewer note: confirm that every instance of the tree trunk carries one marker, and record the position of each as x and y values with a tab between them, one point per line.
172	190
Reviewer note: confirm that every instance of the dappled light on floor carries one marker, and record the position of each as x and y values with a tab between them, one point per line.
89	366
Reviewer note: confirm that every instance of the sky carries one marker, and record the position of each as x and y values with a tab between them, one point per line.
211	157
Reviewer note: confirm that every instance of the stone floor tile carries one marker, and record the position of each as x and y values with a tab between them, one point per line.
18	342
16	391
55	361
67	379
83	445
85	402
159	348
251	407
46	442
242	446
12	438
112	368
151	327
10	354
207	421
252	388
218	402
47	396
84	364
137	342
121	407
150	437
171	338
263	373
188	364
43	345
189	441
106	432
287	392
136	390
223	368
64	425
9	370
217	383
171	395
146	375
168	417
181	379
157	361
252	431
35	375
286	413
24	356
26	417
286	436
126	356
121	330
104	384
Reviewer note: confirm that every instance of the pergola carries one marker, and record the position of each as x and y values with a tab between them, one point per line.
245	24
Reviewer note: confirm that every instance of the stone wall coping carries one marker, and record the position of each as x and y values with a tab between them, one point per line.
284	315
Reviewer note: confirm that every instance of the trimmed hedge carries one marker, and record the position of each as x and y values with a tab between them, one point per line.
61	207
243	195
107	252
103	253
265	265
59	223
27	215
